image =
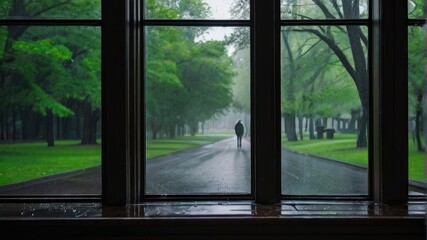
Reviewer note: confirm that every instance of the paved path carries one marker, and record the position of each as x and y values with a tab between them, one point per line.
309	175
211	169
214	168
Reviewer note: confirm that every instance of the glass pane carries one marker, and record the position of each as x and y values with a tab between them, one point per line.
50	9
416	83
324	110
416	8
324	9
197	9
197	89
50	106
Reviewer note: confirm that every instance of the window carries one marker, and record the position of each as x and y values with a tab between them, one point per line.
325	97
50	88
416	77
197	89
249	45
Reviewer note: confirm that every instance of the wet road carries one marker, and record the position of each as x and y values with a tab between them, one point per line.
218	168
309	175
214	168
221	168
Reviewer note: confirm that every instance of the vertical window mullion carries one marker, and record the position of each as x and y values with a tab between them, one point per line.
390	102
267	101
114	77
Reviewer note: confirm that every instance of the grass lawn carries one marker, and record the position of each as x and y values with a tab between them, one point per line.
24	161
342	148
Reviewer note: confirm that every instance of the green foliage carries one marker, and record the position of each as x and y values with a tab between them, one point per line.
177	9
416	8
314	82
69	9
43	47
43	68
38	73
416	66
187	80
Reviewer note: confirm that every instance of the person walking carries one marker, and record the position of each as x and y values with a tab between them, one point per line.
238	128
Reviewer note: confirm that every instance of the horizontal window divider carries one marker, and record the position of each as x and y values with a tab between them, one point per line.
204	23
50	22
417	22
325	22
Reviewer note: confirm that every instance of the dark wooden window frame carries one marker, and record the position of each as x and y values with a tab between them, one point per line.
123	147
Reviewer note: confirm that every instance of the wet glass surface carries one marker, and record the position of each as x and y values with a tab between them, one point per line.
325	96
416	109
197	110
50	111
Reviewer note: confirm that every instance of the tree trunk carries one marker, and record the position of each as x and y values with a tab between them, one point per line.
49	129
300	126
27	124
339	124
352	124
306	125
203	127
194	128
1	126
13	124
362	140
311	129
172	131
290	124
290	127
90	121
325	122
78	128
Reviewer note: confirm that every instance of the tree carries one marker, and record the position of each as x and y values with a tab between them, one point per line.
416	65
354	61
188	80
49	78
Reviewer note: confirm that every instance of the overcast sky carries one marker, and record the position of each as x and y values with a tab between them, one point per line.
220	9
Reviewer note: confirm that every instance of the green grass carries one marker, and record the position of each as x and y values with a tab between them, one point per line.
161	147
25	161
343	148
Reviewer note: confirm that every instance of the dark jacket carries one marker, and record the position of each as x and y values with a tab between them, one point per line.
239	129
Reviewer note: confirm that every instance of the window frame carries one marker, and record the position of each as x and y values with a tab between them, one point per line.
363	22
415	22
123	147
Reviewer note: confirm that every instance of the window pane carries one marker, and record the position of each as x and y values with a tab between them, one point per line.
416	137
416	8
196	9
323	9
325	110
50	106
50	9
197	89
